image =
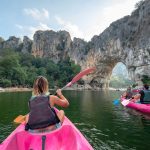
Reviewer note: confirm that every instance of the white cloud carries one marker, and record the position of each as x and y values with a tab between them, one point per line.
71	28
36	14
40	16
104	17
101	19
117	11
30	30
96	22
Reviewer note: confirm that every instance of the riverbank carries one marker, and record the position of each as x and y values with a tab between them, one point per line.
15	89
74	87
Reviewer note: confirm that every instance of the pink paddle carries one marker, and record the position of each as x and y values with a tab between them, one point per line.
79	76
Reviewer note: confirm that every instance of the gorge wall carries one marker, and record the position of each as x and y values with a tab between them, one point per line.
126	40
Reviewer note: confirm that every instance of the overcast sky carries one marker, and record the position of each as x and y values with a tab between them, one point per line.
81	18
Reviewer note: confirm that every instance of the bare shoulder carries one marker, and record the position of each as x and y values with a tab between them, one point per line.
52	100
53	97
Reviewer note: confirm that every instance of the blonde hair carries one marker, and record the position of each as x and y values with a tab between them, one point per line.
40	86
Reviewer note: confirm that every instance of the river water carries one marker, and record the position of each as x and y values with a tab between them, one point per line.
105	125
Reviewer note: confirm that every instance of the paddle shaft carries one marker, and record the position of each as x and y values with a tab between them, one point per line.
78	77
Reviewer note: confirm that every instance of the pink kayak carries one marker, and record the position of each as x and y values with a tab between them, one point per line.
144	108
67	137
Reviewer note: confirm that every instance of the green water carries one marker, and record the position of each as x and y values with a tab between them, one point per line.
106	126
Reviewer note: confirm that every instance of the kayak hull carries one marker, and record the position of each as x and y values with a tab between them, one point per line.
144	108
67	137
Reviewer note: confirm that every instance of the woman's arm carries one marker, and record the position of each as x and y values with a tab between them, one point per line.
59	100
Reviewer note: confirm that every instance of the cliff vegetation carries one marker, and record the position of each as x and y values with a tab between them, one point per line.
19	69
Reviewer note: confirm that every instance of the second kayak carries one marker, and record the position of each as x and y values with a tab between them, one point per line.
144	108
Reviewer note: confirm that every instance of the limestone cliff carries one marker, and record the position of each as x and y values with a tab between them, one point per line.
51	44
126	40
12	42
1	42
27	45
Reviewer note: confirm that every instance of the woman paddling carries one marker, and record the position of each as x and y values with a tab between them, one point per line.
42	116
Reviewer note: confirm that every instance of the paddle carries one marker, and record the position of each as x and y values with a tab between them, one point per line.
21	118
125	102
116	101
79	76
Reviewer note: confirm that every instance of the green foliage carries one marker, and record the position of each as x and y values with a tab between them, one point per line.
5	83
67	70
18	69
146	79
134	85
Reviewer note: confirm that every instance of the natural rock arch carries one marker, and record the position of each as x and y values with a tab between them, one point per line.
127	40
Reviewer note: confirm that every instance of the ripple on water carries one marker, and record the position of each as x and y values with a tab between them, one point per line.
92	133
6	130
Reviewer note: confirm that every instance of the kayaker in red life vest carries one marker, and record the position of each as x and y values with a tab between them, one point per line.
42	116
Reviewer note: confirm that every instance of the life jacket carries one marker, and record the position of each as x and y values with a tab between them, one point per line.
146	98
41	114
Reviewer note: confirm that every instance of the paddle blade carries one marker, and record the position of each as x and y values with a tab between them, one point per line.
19	119
81	74
116	102
125	102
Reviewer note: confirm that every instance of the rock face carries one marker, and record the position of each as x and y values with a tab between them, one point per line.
12	42
78	51
27	45
126	40
1	42
16	44
51	44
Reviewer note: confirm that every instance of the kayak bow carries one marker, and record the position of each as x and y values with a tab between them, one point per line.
67	137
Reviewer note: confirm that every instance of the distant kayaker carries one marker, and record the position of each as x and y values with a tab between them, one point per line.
145	95
42	116
128	93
